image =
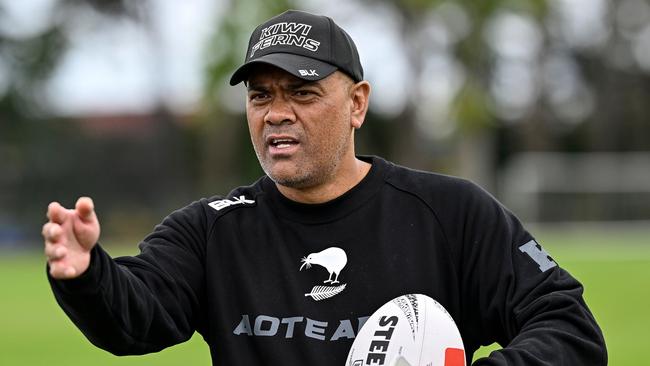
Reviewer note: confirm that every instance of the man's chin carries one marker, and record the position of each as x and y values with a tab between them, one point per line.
290	181
290	178
288	173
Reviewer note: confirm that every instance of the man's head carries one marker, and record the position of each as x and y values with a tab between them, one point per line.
302	111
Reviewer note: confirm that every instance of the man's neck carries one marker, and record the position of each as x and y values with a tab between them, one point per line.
330	190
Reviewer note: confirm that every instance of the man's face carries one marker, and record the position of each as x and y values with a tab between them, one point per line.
301	130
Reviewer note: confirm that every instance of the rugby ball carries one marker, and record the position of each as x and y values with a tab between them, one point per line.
410	330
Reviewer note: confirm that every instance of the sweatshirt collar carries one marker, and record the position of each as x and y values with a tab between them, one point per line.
333	209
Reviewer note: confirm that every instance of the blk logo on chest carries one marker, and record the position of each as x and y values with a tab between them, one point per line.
538	254
221	204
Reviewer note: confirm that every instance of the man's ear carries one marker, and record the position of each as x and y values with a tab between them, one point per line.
359	94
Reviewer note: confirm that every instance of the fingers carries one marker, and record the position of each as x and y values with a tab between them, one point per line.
85	209
55	252
56	213
63	234
53	235
86	228
61	272
52	232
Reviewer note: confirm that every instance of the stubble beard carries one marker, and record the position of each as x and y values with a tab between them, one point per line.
307	174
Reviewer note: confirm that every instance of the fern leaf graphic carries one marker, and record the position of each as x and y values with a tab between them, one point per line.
319	293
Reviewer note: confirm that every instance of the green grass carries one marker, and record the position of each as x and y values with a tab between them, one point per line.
613	265
34	331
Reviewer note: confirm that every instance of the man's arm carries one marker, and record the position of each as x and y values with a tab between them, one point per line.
130	305
516	295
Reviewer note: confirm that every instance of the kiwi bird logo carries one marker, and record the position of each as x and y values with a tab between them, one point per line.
332	259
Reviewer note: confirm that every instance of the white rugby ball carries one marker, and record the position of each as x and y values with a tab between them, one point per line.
410	330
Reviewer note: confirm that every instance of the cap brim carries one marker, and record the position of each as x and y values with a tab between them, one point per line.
299	66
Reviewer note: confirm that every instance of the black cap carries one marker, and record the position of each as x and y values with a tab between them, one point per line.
305	45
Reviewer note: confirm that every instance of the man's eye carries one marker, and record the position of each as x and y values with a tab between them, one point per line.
258	96
304	93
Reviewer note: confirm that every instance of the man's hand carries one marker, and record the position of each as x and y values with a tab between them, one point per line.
69	235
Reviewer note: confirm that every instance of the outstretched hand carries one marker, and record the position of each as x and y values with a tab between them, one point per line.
70	235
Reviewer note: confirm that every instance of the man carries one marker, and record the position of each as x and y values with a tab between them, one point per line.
285	271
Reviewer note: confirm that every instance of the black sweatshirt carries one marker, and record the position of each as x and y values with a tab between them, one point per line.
268	281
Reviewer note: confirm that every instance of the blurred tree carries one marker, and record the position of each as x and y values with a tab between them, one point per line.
536	75
38	153
464	23
29	56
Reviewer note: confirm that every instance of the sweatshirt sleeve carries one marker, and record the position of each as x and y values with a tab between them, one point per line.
515	294
142	304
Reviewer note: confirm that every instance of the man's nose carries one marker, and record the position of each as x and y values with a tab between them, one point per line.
280	112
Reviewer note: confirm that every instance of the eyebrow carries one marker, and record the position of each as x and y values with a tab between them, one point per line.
256	87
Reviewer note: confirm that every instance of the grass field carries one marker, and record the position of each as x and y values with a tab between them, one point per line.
612	263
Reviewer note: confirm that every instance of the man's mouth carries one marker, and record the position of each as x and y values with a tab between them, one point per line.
282	143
